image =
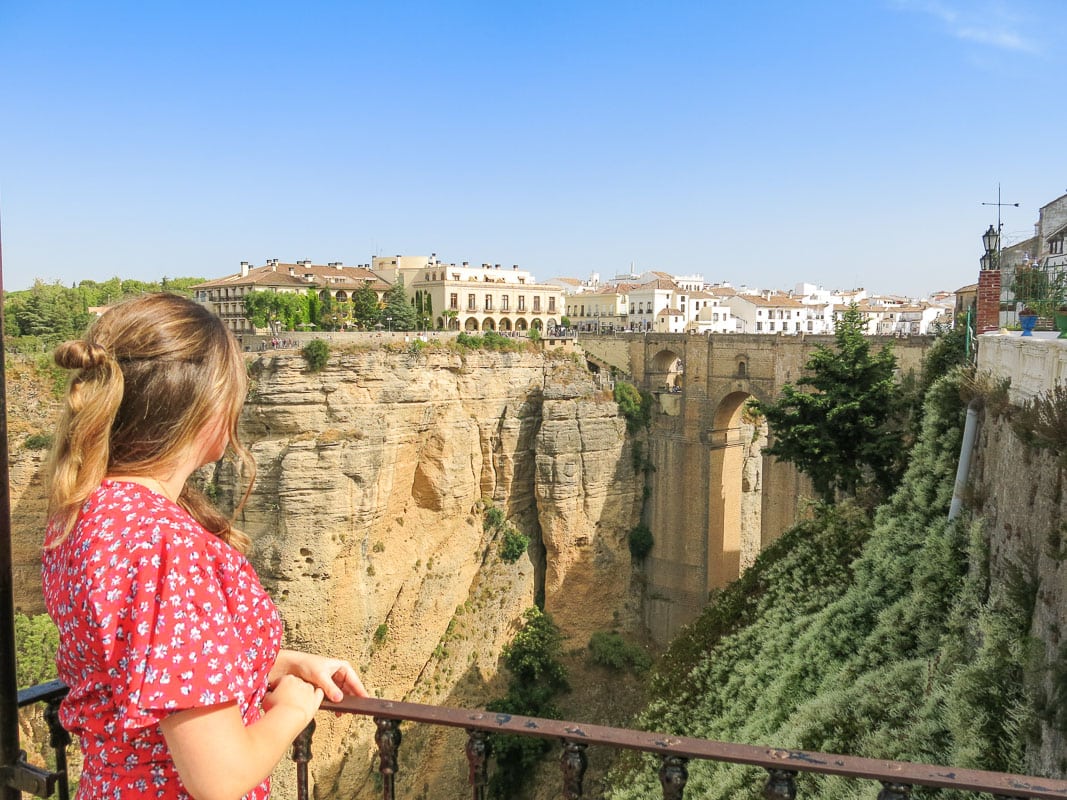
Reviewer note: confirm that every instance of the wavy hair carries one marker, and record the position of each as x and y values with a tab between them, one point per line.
148	376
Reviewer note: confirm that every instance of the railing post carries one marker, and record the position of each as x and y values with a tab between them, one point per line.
478	751
302	755
388	740
892	790
573	762
781	785
673	776
60	740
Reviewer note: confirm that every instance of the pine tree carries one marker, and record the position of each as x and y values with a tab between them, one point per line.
398	309
841	432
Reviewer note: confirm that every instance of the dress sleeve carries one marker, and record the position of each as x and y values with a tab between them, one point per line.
178	647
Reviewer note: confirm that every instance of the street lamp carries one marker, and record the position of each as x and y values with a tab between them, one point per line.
991	242
389	323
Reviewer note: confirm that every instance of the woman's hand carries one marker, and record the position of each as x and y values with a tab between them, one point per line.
296	693
334	676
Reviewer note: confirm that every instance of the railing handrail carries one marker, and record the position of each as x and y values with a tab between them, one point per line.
680	748
770	758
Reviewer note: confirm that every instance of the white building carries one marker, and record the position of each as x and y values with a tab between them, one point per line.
475	298
767	313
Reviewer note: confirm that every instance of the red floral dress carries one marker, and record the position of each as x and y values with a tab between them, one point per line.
155	615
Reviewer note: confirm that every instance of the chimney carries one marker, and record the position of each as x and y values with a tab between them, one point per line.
292	271
466	263
244	269
514	266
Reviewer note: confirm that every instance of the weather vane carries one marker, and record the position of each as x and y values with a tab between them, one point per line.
1000	205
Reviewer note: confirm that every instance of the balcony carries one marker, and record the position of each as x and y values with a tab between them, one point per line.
897	778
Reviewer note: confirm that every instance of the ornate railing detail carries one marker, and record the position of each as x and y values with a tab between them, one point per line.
675	752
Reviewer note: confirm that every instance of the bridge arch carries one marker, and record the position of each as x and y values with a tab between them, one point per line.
666	370
735	488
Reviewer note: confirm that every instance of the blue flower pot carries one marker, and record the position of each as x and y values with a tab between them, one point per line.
1028	321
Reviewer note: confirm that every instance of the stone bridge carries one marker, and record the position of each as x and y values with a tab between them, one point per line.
715	500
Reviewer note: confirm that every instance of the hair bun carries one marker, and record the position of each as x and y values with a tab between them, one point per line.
80	354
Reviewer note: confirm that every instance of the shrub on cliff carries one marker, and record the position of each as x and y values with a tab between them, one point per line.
612	651
536	676
633	404
316	353
640	542
513	545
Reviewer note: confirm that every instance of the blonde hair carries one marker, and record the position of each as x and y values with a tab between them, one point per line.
148	376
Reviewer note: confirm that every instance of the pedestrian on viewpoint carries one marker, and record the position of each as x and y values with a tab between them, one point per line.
170	645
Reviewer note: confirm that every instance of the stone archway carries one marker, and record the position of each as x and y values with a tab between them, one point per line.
520	324
735	489
505	324
536	325
488	324
471	324
667	371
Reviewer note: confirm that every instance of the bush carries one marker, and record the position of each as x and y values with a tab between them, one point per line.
536	677
38	441
514	545
36	643
381	633
316	353
634	404
612	651
641	542
494	519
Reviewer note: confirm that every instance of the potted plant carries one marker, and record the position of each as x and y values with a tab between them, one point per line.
1028	319
1060	320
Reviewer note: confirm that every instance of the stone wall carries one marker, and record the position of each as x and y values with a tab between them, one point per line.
1033	364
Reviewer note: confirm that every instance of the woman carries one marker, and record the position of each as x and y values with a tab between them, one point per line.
168	642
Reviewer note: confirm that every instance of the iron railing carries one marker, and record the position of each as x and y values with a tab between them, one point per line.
896	778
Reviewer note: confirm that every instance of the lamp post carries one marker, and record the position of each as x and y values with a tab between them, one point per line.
991	242
389	323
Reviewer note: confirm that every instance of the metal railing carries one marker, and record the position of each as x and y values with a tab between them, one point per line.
897	778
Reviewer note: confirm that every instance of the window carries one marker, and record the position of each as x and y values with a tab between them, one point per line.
551	305
1055	247
759	327
522	302
488	302
472	304
453	301
537	303
504	303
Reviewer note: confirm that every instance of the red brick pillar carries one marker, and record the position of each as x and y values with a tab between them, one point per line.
988	301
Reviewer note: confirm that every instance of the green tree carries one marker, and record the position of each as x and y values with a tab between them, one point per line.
365	306
397	308
423	309
276	310
536	677
841	433
36	642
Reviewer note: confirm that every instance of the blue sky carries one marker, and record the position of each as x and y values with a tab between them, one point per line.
842	142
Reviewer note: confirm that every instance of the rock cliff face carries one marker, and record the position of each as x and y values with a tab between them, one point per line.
366	517
1019	494
367	521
